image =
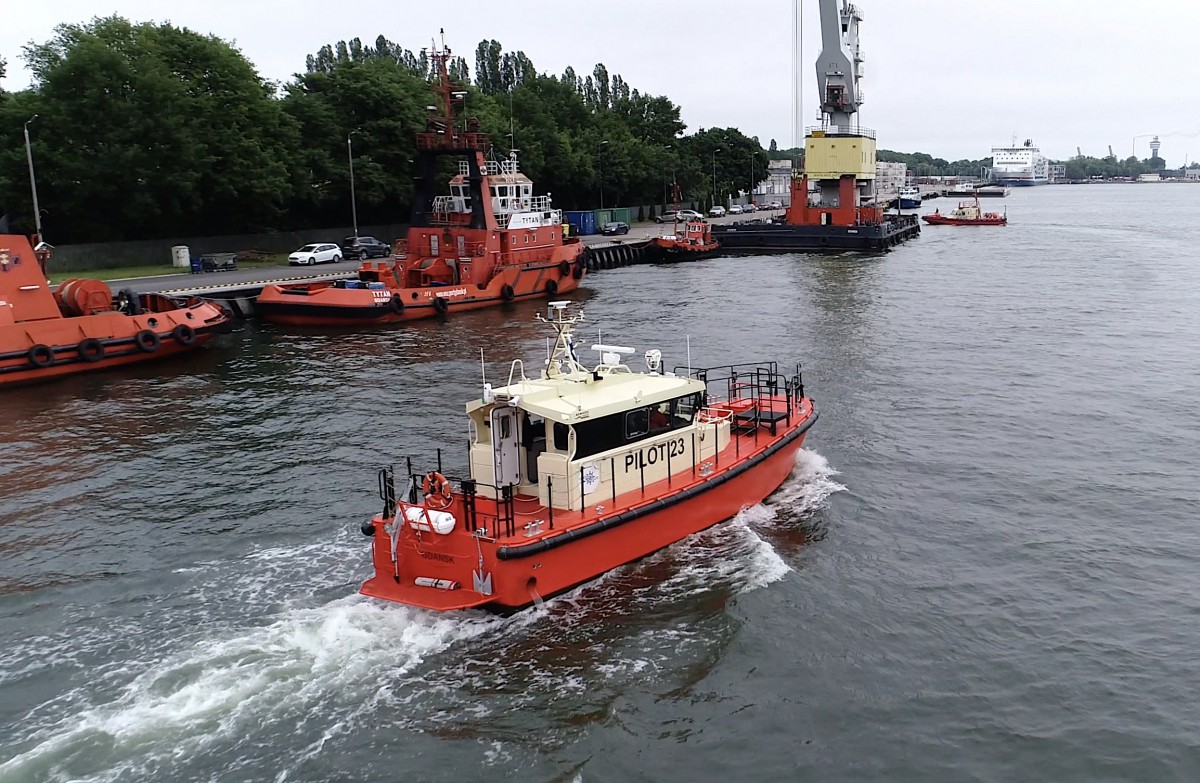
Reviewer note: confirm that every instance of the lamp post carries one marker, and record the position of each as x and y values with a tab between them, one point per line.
37	212
714	167
350	156
600	163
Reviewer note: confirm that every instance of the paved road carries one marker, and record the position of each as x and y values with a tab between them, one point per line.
186	281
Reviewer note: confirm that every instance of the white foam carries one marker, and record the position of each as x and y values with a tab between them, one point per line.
220	687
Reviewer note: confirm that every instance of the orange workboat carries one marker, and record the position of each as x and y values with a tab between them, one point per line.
968	213
489	241
81	326
580	470
692	240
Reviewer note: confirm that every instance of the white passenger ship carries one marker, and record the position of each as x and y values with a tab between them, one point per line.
1020	165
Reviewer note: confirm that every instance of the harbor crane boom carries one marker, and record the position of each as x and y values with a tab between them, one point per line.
839	68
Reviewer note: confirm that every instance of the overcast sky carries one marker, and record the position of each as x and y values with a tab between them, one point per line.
946	77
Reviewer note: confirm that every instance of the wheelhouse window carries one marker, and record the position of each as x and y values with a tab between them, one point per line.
637	423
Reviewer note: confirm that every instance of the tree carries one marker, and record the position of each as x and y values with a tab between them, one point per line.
152	130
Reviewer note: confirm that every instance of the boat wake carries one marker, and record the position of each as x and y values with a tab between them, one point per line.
238	663
224	689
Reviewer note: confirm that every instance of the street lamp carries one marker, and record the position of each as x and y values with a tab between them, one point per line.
350	156
714	167
600	163
37	212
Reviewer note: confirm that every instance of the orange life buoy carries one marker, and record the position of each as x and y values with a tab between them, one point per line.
437	490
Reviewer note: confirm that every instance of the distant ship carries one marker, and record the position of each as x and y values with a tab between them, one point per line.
1020	166
910	197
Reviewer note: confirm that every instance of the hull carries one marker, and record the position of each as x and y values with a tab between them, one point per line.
910	203
667	251
37	351
525	569
327	304
935	220
783	237
1020	182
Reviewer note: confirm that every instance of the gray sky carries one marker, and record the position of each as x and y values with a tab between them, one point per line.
946	77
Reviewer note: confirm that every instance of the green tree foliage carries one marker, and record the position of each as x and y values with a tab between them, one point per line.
152	130
1087	167
149	130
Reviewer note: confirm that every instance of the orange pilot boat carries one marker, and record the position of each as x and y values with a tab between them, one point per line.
580	470
489	241
968	213
81	326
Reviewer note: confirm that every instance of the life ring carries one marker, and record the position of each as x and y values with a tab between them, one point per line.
90	350
577	273
396	304
184	334
437	490
147	340
564	268
40	355
551	287
507	293
439	304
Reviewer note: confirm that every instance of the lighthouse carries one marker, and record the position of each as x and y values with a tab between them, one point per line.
1155	144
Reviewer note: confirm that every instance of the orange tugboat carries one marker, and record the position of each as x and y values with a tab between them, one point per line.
81	326
692	240
580	470
968	213
488	242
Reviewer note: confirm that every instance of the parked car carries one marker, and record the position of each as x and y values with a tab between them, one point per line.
316	254
365	247
775	205
690	214
736	209
666	217
749	208
615	228
717	211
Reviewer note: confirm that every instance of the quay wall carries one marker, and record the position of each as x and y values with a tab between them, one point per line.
116	255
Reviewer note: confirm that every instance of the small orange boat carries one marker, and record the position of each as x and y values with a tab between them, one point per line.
968	213
81	327
488	242
581	470
692	240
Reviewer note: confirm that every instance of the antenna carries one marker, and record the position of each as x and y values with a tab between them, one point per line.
482	366
689	352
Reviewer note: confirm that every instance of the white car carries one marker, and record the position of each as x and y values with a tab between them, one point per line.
736	209
689	214
775	205
717	211
316	254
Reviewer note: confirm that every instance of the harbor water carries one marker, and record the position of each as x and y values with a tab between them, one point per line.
984	567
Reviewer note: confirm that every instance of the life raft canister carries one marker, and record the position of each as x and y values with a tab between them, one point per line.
440	304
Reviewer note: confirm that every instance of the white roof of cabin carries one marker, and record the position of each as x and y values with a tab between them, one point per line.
579	397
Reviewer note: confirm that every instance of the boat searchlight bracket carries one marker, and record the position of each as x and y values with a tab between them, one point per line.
654	360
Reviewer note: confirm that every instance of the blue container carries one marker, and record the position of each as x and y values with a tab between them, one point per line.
376	285
354	284
585	222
